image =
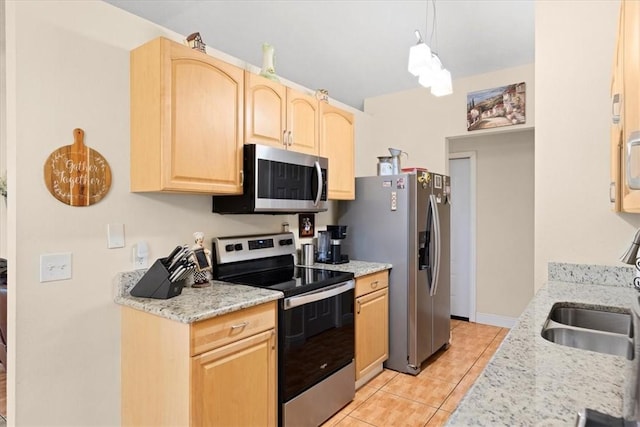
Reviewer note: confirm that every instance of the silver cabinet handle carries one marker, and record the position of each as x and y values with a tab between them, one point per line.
615	109
240	325
241	177
633	182
612	192
290	138
284	138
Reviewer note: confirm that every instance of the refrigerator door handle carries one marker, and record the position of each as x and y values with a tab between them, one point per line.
433	205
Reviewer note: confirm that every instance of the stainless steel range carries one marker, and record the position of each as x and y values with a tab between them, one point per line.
316	372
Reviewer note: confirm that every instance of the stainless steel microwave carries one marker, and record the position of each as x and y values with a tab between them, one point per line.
278	181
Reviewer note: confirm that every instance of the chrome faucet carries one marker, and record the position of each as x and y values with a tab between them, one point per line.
631	257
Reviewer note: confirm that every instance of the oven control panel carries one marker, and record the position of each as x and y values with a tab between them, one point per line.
260	244
242	248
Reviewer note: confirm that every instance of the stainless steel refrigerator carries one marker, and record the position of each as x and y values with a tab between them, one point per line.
404	220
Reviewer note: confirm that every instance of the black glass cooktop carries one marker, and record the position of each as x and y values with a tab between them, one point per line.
294	280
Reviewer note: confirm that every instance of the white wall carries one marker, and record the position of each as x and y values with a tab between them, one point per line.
68	67
423	125
3	138
419	123
504	220
574	52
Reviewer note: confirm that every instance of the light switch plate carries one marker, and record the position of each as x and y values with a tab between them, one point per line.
55	267
115	236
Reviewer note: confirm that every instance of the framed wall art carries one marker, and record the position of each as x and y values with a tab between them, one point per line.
306	225
500	106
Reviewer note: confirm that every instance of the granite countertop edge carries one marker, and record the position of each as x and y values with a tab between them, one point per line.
358	268
196	304
531	381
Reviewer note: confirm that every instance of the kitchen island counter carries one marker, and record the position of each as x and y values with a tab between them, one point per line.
193	304
531	381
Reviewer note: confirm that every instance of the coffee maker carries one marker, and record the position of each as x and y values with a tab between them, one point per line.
335	255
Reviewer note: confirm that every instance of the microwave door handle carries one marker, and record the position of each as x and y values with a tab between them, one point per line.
436	258
319	295
319	173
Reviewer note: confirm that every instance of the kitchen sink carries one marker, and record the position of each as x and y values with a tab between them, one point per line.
593	328
586	339
591	318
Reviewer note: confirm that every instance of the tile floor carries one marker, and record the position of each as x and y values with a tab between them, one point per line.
429	398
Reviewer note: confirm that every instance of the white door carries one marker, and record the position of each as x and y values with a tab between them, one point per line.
462	290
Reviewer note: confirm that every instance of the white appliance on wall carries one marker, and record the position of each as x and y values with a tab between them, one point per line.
405	220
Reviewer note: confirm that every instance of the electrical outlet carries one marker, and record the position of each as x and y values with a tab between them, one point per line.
115	236
55	267
140	255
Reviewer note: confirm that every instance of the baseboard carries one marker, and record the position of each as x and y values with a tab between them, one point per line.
495	320
369	376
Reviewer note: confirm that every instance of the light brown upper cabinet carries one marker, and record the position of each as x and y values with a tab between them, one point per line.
279	116
625	97
337	144
186	121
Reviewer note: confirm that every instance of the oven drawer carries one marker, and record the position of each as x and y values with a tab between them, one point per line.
218	331
371	282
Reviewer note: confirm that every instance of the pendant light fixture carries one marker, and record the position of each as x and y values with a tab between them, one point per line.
426	65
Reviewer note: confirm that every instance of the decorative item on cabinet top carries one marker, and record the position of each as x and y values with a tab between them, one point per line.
268	59
194	41
322	95
76	174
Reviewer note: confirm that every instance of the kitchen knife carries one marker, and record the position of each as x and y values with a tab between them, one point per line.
179	256
178	271
167	260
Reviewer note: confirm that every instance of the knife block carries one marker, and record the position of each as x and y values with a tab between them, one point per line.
156	284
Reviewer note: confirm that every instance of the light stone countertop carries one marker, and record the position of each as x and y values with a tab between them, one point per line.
531	381
195	304
358	268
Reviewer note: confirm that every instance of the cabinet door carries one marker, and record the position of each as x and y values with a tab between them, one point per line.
265	111
302	122
235	385
337	144
186	121
372	331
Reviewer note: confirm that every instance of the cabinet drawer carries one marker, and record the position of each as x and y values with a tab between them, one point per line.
372	282
218	331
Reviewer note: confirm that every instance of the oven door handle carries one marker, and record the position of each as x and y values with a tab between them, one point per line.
318	295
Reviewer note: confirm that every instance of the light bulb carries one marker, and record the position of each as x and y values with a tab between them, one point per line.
419	59
442	84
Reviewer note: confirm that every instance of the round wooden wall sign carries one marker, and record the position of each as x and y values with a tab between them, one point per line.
77	175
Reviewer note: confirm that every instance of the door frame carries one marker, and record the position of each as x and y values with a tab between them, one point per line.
471	155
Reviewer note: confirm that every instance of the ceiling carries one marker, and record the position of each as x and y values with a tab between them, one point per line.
354	48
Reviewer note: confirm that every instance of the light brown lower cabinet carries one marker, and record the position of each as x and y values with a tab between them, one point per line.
216	372
372	325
